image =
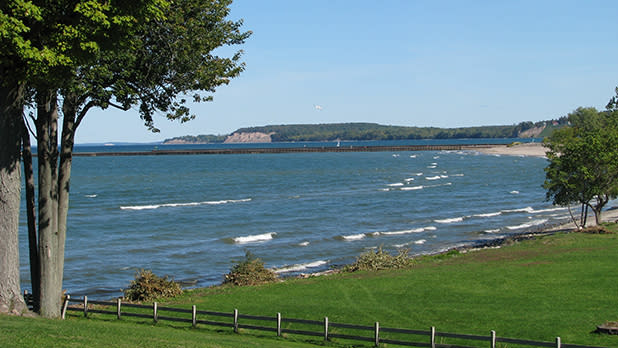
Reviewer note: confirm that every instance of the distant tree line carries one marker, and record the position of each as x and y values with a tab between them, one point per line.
374	131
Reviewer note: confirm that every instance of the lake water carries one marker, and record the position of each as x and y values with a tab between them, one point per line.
192	216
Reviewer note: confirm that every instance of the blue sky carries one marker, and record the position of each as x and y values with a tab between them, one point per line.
409	63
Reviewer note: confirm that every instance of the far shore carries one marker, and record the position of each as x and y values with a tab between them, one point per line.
525	149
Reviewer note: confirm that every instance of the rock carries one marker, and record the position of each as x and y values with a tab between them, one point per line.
253	137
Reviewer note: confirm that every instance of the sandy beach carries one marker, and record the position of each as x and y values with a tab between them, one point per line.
527	149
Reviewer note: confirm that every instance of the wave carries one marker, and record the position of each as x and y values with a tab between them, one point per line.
495	230
397	184
254	238
392	233
189	204
305	243
450	221
527	225
90	196
432	167
408	179
430	228
300	267
420	241
412	188
354	237
520	210
548	210
412	156
488	214
514	192
457	175
437	177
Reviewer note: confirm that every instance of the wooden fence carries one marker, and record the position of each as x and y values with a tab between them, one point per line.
323	327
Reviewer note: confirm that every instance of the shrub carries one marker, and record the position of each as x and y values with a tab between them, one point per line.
249	271
596	230
379	260
147	287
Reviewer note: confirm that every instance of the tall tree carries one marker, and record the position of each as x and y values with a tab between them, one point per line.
583	162
162	59
42	44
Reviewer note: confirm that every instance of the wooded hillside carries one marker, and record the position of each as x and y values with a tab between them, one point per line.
374	131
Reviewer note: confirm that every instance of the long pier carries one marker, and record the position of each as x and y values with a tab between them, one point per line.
275	150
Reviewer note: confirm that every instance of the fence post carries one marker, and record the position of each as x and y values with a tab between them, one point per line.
194	316
65	305
433	337
278	324
155	312
118	305
493	339
236	320
85	306
377	334
558	343
325	328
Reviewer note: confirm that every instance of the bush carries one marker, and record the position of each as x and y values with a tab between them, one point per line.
147	287
596	230
249	271
379	260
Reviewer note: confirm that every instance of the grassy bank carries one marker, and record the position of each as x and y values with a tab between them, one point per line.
562	285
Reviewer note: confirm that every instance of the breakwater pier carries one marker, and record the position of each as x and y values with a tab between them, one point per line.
278	150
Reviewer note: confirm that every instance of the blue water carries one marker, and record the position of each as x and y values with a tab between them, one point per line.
192	216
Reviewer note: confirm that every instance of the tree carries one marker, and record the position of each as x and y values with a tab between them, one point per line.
158	61
41	44
583	162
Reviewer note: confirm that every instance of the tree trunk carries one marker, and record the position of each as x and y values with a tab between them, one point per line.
51	281
69	111
11	123
33	247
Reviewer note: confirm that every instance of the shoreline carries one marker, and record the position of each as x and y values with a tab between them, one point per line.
524	149
609	215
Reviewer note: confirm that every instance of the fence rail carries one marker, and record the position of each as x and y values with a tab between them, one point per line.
374	332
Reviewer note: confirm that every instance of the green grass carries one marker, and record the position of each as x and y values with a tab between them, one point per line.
562	285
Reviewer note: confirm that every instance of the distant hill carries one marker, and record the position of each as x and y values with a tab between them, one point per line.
369	131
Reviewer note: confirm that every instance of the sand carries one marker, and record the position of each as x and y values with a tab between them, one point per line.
527	149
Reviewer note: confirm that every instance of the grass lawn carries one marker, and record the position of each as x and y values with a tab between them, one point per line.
562	285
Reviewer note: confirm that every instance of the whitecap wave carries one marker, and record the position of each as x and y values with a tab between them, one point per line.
495	230
256	238
437	177
90	196
432	167
300	267
530	224
408	179
457	175
430	228
412	188
449	221
529	210
412	156
514	192
354	237
188	204
548	210
420	241
392	233
488	214
305	243
397	184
